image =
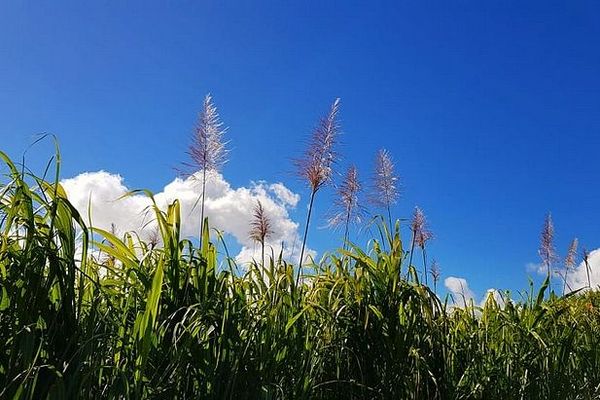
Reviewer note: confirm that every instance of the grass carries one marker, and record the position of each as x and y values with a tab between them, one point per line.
86	314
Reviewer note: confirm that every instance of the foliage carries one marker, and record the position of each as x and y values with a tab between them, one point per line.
86	314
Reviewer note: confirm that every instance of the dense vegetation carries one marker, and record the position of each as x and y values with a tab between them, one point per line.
86	314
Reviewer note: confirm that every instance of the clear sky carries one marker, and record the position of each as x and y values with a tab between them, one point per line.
490	109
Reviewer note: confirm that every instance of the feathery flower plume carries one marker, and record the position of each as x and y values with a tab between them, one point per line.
260	227
421	235
347	202
570	260
419	227
208	151
418	222
385	190
547	251
260	224
571	254
316	166
436	273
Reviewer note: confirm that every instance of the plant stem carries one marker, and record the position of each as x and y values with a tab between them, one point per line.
262	245
346	229
202	205
549	276
424	264
412	249
587	269
310	206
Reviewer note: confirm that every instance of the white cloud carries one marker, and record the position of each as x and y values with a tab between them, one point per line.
498	297
459	288
284	194
537	268
578	278
463	295
228	209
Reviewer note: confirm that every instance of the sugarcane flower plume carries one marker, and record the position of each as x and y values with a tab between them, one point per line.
435	271
547	251
317	163
385	190
570	259
347	205
208	151
260	226
421	232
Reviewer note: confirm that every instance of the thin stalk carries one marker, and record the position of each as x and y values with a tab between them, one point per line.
549	273
202	205
546	262
346	229
424	264
412	249
262	245
587	270
566	285
310	206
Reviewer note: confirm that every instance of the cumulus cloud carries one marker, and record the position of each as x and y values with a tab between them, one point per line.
542	270
100	195
537	268
285	195
578	278
463	295
459	288
498	297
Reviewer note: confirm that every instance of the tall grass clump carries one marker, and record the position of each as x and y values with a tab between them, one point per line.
86	313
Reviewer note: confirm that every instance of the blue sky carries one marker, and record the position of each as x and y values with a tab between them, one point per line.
490	109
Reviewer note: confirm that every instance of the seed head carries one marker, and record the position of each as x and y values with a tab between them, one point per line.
347	202
547	251
260	225
317	164
420	229
385	181
435	271
570	259
208	149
